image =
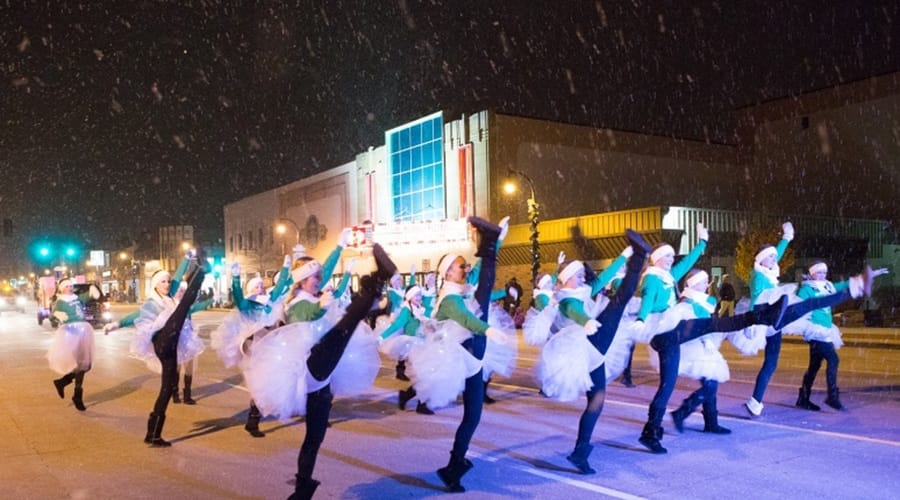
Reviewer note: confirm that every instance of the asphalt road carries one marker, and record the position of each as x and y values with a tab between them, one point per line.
375	451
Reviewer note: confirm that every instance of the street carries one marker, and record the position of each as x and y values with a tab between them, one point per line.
375	451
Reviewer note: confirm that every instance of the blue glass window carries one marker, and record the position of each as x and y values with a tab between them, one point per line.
416	169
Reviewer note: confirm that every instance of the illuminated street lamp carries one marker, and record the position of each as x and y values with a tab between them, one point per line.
533	212
281	229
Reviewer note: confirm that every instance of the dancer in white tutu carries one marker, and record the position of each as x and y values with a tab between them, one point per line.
165	320
254	315
396	293
700	357
72	351
600	331
460	323
165	292
538	324
402	335
823	336
313	359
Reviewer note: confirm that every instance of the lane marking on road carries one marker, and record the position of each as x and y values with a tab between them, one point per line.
595	488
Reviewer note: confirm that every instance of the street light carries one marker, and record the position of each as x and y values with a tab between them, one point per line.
281	229
533	212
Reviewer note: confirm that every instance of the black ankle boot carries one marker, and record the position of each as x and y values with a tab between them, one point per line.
489	233
579	457
401	371
252	425
304	489
404	396
650	438
804	402
423	409
154	430
711	423
188	380
176	399
638	243
679	416
61	384
834	400
76	399
453	472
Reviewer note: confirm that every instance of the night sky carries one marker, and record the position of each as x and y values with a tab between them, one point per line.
119	119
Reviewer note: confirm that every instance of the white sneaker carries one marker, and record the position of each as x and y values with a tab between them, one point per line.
754	407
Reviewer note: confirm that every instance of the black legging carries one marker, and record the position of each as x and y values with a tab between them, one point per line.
821	351
473	394
165	344
609	321
323	358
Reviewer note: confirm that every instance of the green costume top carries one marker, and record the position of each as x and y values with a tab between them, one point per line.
657	294
759	282
454	308
809	289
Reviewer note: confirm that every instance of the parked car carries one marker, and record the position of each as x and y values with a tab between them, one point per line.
12	303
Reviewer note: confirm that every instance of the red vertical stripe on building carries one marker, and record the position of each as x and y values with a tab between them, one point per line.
463	158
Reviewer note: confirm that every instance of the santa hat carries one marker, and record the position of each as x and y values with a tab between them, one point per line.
308	269
252	283
67	279
570	270
818	267
766	251
158	276
412	292
661	252
695	278
445	263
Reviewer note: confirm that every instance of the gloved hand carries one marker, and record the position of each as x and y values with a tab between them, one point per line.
287	261
561	258
61	316
513	293
350	264
412	269
110	327
235	269
702	232
591	326
345	237
787	230
504	228
496	335
628	252
95	292
878	272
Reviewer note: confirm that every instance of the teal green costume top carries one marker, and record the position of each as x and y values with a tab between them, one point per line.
657	295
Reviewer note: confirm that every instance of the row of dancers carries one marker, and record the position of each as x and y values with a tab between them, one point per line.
301	343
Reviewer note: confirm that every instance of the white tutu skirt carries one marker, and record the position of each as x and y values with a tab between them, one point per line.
440	365
618	354
750	340
500	358
538	325
275	371
228	338
399	345
189	347
812	331
359	365
565	364
701	360
770	296
72	348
